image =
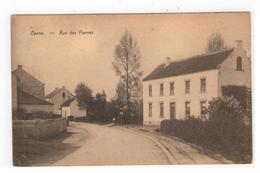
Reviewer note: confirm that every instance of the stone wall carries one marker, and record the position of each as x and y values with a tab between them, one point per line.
38	129
36	108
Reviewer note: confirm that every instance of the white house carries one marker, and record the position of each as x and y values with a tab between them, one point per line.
71	108
177	89
58	97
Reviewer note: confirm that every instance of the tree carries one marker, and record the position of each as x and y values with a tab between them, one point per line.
127	66
99	105
84	97
215	43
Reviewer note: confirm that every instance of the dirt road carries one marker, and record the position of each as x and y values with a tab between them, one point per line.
114	145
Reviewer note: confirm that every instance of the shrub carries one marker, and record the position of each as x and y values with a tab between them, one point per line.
223	132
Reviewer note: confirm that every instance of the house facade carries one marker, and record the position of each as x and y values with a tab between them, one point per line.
178	89
57	97
28	93
71	108
28	83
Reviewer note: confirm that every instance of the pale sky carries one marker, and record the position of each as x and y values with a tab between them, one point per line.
65	60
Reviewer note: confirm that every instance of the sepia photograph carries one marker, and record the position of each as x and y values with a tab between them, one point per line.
131	89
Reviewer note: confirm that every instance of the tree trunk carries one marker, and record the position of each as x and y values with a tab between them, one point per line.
127	86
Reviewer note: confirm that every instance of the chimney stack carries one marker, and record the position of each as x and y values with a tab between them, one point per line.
239	44
167	61
20	67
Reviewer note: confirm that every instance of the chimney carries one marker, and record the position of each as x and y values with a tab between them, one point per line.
239	44
167	61
20	67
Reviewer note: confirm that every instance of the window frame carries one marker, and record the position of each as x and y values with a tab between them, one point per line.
150	109
187	105
187	87
203	115
161	104
201	86
150	91
239	63
161	89
172	87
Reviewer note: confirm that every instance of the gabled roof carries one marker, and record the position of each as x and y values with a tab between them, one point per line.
67	102
56	91
28	99
190	65
53	93
21	72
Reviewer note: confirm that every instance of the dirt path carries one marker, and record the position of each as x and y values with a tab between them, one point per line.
105	145
113	145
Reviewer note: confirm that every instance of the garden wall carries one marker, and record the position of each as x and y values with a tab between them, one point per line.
39	129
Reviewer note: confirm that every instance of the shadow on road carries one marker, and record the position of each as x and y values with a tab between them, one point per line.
28	152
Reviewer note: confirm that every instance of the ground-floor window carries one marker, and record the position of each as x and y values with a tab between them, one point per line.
150	112
161	110
203	109
187	109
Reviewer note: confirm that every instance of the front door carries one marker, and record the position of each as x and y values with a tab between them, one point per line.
172	110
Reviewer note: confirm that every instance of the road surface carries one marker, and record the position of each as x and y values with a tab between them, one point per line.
115	145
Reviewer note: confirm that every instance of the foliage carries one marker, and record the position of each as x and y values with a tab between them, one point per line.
84	97
99	105
226	108
127	66
224	131
238	92
215	43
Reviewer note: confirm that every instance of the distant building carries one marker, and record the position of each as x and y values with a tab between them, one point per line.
178	89
28	93
71	108
58	97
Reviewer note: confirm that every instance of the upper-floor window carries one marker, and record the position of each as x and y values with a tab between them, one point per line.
150	90
161	110
239	63
187	86
187	109
63	94
171	88
150	113
161	89
203	84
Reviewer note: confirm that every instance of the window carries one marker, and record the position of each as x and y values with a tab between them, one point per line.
161	89
203	84
187	109
161	110
172	110
187	86
171	88
150	113
63	94
203	109
150	91
239	63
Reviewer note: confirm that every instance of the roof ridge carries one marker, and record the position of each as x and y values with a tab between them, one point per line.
199	55
196	63
16	70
